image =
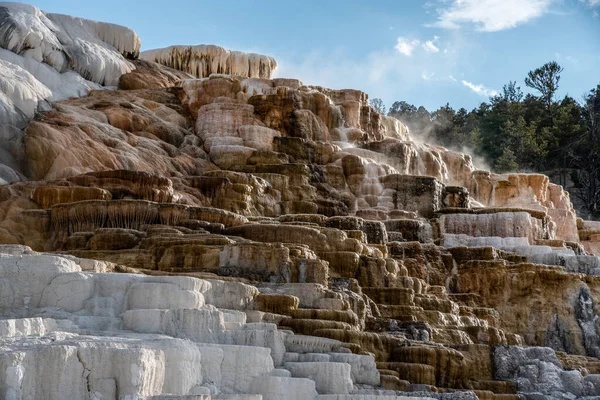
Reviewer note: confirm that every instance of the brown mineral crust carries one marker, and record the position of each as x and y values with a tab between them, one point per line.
216	215
309	326
344	316
187	257
267	233
413	372
16	227
588	365
128	184
47	196
82	216
518	294
448	364
536	213
424	261
325	205
115	239
409	229
197	93
380	345
342	264
172	214
528	191
150	75
275	109
112	131
277	303
240	193
374	231
358	114
414	193
392	382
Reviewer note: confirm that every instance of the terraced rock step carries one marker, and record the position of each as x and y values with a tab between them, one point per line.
242	237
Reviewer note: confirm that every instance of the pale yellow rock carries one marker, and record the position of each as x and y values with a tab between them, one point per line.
204	60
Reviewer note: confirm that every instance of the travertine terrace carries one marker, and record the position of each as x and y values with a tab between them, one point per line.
206	231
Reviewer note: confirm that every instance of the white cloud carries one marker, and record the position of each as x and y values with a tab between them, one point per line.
491	15
406	46
430	47
480	89
561	57
426	76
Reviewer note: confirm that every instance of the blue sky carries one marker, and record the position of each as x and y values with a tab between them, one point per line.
424	52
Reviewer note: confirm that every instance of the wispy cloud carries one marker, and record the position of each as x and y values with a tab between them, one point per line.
591	3
406	46
431	77
426	76
480	89
490	15
594	5
565	57
430	47
385	74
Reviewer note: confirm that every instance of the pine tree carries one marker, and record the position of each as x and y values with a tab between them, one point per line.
507	162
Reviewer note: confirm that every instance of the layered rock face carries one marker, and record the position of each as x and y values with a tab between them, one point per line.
240	237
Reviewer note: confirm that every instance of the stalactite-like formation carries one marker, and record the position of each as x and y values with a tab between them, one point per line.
172	214
131	214
203	60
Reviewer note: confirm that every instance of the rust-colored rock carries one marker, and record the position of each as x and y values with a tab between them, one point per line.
47	196
150	75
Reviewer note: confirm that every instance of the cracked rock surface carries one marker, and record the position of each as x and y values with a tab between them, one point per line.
201	230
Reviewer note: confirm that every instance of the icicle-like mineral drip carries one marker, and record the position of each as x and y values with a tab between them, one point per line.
204	60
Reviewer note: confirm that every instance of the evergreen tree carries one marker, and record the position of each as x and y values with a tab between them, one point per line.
545	80
585	155
507	161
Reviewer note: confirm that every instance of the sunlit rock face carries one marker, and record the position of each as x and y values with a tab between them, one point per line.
204	60
49	57
63	54
141	130
237	236
147	75
529	191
